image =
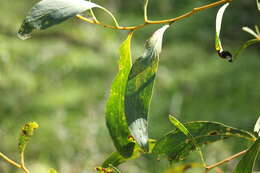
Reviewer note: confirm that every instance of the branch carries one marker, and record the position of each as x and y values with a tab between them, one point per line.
225	160
9	160
147	22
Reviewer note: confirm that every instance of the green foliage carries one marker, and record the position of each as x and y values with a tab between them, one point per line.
246	164
26	133
140	86
245	45
203	132
115	111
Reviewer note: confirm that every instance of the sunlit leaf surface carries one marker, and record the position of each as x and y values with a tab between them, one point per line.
115	108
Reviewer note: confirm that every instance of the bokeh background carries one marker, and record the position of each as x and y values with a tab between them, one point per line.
61	77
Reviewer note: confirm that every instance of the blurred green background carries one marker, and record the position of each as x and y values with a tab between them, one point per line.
61	77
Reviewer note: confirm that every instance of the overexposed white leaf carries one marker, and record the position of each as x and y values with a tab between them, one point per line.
47	13
218	45
257	126
258	4
154	44
250	31
219	22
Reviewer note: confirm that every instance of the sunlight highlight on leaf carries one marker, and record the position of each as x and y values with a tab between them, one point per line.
257	126
115	108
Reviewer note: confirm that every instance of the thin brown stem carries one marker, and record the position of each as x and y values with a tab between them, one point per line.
8	160
225	160
147	22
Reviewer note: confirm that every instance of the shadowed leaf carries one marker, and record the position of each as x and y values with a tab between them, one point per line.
140	86
115	108
177	146
246	164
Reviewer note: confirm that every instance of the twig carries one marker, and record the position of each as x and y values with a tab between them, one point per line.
9	160
147	22
225	160
22	163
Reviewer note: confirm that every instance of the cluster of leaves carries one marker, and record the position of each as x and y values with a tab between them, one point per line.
128	105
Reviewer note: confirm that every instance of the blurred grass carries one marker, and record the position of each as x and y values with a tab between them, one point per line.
60	78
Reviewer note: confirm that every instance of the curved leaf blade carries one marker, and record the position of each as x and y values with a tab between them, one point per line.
246	164
257	126
140	86
177	146
221	52
47	13
115	108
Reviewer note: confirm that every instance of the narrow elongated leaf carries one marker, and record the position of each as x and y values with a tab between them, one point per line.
257	126
183	129
221	52
245	45
246	164
177	146
258	4
47	13
140	86
115	108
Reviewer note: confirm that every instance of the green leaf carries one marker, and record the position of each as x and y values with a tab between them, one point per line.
52	171
183	129
245	45
177	146
27	132
246	164
47	13
115	108
221	52
140	86
116	159
258	4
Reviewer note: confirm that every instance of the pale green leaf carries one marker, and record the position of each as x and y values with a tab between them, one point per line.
257	126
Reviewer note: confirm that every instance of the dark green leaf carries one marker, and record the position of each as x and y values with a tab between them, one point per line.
246	164
116	159
140	86
183	129
115	108
245	45
47	13
177	146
